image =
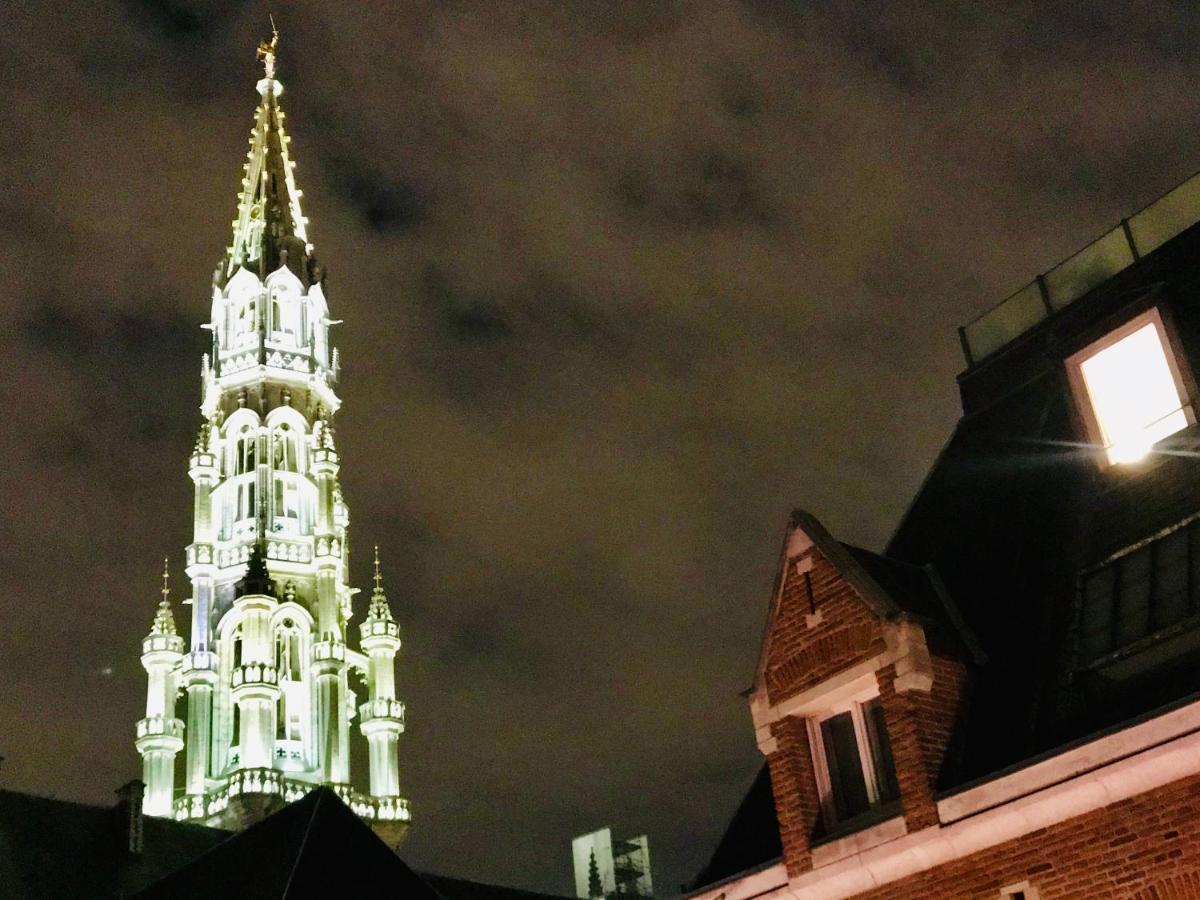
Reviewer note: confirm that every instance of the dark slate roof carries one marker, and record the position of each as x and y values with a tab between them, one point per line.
1015	506
52	849
315	847
920	592
750	842
60	850
892	587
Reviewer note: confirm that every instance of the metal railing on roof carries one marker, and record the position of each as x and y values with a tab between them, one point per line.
1071	279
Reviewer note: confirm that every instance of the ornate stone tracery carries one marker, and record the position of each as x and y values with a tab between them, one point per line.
267	672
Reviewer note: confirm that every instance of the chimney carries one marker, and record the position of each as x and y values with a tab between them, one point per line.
129	812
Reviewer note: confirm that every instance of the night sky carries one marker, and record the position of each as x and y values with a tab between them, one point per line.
623	282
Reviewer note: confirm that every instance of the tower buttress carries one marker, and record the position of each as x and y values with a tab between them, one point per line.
160	734
382	716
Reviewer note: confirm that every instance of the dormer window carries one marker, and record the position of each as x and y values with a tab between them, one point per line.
1129	389
852	758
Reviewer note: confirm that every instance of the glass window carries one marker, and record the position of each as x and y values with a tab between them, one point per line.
247	322
285	309
244	451
285	447
245	500
1096	630
1130	389
1139	593
881	752
287	504
849	787
1170	579
856	772
1133	597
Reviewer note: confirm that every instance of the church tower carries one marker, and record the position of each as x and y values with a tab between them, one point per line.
271	684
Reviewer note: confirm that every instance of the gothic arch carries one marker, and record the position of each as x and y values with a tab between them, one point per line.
285	306
242	283
288	414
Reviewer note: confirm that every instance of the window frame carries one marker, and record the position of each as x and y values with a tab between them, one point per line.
1085	658
1022	890
1176	365
855	705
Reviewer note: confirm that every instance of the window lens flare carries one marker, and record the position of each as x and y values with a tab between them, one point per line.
1133	394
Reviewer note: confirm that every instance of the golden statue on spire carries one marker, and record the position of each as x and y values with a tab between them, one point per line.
266	51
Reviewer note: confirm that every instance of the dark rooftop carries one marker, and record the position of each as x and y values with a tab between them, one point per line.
750	842
52	849
1016	508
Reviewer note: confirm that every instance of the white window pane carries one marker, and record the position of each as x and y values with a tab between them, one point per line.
1133	394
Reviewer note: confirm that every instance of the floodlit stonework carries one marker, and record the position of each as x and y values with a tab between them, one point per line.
271	686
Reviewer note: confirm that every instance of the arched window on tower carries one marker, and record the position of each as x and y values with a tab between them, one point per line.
247	316
246	508
287	650
287	504
245	451
285	449
235	736
285	314
288	662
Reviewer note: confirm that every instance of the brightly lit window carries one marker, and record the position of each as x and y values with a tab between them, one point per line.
1129	389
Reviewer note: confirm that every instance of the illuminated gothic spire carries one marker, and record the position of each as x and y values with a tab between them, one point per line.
160	733
272	680
379	610
164	619
270	228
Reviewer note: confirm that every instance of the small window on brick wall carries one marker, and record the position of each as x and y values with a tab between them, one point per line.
1140	593
1022	891
852	758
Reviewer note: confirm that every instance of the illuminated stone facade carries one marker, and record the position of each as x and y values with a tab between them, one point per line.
268	672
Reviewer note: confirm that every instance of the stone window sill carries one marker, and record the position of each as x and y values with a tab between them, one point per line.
841	845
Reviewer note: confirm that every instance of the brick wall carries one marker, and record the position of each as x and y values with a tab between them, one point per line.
800	657
797	803
1146	847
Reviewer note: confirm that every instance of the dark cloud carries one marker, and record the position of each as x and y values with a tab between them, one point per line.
622	282
179	20
386	206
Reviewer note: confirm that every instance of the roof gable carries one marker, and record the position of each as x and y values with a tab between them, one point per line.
830	602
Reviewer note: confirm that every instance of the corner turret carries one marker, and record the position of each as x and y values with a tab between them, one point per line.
160	733
382	716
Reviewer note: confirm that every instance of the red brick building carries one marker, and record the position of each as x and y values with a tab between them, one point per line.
1005	703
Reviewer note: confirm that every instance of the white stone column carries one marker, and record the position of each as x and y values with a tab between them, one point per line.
160	734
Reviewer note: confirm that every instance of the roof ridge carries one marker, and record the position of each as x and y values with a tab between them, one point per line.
312	817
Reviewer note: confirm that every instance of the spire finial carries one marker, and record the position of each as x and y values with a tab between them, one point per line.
164	619
266	51
378	610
